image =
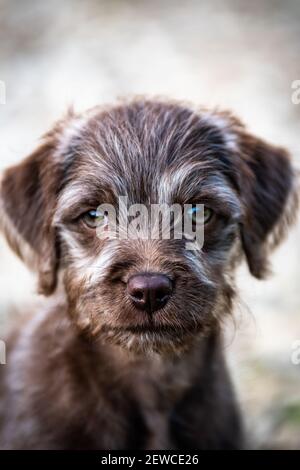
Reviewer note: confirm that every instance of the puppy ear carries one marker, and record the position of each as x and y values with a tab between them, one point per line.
270	195
27	196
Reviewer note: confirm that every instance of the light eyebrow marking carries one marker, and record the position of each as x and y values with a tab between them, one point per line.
70	197
213	187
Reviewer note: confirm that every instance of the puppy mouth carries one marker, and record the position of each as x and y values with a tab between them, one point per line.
158	330
144	339
140	329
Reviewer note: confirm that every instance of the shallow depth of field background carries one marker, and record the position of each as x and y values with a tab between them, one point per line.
233	54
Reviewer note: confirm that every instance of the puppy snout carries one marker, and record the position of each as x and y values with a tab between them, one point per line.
149	291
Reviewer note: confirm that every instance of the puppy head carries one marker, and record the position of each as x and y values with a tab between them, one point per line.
147	294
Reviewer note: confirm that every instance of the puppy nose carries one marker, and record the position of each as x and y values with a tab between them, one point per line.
149	291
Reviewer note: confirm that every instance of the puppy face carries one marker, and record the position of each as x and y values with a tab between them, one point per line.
147	294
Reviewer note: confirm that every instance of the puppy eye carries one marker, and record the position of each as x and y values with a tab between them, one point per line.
94	218
197	214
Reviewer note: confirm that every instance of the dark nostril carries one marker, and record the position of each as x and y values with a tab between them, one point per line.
149	291
138	294
161	294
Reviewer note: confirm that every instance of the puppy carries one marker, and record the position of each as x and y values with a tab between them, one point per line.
127	353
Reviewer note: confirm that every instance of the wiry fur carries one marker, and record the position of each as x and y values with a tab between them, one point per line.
118	376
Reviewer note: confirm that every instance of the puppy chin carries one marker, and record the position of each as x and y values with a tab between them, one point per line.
167	342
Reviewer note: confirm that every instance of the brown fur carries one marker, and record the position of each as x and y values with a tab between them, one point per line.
92	371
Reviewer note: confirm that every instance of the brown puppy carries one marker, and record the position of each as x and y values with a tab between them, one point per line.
129	353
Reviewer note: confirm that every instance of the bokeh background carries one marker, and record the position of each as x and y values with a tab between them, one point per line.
237	55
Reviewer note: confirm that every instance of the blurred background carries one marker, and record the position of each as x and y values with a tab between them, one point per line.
233	54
